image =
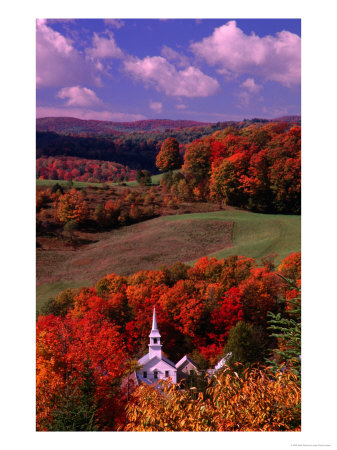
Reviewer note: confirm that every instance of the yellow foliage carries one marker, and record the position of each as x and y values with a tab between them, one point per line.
258	401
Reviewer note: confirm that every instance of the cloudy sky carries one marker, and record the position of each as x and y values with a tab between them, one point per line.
205	70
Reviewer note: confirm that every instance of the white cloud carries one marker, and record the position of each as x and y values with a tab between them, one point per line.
244	99
273	113
171	55
58	63
251	86
276	58
157	71
79	96
181	106
87	114
156	106
114	23
104	48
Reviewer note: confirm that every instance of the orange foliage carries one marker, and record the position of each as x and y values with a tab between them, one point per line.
258	401
290	266
72	207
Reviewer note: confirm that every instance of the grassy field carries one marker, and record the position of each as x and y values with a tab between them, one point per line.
164	240
155	180
50	290
49	183
142	246
256	235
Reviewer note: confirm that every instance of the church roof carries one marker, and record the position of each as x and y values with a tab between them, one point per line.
141	379
145	359
168	361
183	359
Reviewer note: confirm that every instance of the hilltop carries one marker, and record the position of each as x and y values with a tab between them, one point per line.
76	126
71	125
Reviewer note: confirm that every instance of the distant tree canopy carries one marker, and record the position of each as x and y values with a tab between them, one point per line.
253	165
81	169
136	148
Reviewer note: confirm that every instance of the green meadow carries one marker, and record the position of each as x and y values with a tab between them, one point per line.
256	235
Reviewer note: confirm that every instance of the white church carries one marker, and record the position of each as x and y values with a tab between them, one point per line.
154	366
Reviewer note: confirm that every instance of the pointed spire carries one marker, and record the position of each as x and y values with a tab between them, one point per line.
154	319
154	345
154	331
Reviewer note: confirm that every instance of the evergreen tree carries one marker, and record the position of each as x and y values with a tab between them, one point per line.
77	406
247	345
286	328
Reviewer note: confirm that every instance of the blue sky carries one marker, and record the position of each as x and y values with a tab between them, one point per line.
205	70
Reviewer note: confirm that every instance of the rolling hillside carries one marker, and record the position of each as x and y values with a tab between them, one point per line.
165	240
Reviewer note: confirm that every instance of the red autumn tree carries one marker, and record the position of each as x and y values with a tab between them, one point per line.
226	315
64	348
259	294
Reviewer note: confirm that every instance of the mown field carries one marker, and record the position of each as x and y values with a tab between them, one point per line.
164	240
256	235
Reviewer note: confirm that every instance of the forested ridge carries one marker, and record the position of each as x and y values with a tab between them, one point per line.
136	146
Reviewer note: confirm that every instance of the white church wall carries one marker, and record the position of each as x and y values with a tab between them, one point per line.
161	367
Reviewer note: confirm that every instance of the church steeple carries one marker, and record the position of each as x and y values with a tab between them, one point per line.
154	320
154	345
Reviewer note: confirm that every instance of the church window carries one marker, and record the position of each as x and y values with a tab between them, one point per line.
155	340
155	373
144	374
166	373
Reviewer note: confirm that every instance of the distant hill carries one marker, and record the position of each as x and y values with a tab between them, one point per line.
290	119
70	125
